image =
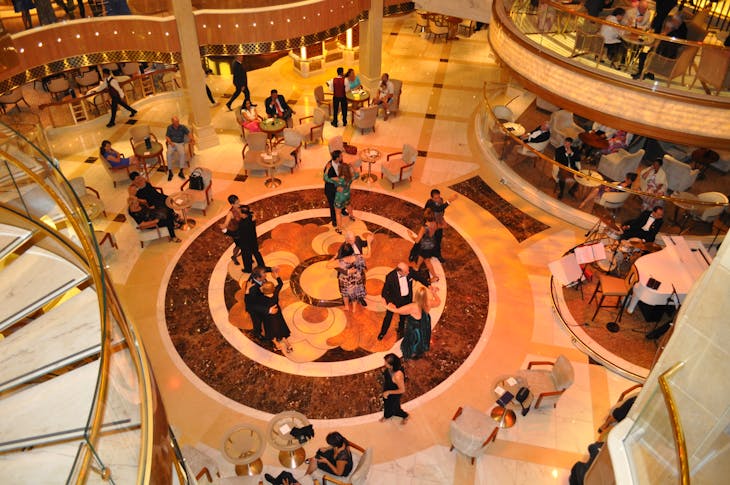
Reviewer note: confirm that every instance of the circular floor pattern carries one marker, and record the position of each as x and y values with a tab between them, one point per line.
213	359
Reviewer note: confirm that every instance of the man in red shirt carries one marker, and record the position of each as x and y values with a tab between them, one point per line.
339	98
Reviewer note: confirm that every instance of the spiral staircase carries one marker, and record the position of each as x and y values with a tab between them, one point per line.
76	394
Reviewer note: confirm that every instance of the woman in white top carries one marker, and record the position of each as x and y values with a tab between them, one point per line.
251	118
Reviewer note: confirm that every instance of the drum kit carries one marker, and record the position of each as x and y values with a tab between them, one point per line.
620	254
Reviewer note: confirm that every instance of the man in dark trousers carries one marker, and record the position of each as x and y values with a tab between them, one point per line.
277	107
332	169
249	241
240	81
398	290
646	226
255	301
566	156
339	97
116	93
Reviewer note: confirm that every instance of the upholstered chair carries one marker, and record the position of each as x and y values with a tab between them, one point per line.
470	431
548	385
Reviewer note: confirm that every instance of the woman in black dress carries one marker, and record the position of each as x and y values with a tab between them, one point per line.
394	386
417	333
426	241
274	323
335	458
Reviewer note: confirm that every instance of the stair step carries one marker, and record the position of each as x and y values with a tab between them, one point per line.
34	279
43	465
68	333
11	237
53	411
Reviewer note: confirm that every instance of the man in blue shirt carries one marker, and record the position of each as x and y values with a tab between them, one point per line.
177	135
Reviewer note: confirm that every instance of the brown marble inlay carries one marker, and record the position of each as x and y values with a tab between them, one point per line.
215	361
521	225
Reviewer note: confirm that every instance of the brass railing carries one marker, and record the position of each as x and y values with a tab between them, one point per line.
676	423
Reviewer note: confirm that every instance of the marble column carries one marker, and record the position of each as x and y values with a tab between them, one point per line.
371	45
193	76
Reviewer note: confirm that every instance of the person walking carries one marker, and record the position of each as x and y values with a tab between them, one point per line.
332	170
116	93
240	81
339	97
256	303
394	386
417	332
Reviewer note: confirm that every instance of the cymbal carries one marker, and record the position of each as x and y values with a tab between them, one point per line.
652	247
610	223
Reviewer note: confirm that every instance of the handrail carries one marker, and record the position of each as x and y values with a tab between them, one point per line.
541	156
677	430
68	203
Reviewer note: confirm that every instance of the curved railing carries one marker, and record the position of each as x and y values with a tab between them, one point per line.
501	134
24	165
570	35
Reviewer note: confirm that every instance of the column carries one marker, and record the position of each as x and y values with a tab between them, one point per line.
192	74
371	45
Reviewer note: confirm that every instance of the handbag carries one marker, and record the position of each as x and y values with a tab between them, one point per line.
522	394
196	180
349	149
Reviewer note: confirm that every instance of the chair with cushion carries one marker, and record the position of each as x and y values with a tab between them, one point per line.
14	97
201	198
130	69
253	149
680	176
467	27
503	114
538	147
548	385
88	196
562	126
289	149
59	88
399	166
313	129
670	68
708	214
118	175
616	165
436	30
421	22
394	105
170	82
365	118
360	469
588	43
87	80
470	431
336	143
613	287
613	201
321	100
149	234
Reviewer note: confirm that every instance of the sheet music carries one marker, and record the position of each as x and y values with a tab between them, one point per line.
589	253
566	269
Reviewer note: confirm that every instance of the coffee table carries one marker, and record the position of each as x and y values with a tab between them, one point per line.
702	158
370	156
153	153
243	446
635	43
358	98
591	179
593	141
505	417
291	453
273	127
514	128
271	162
182	201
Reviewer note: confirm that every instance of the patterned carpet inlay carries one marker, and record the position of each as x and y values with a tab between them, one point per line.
521	225
213	359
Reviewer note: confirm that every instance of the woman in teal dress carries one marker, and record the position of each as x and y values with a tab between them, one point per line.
417	333
343	199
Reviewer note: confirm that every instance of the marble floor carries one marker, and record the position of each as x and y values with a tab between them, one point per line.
441	96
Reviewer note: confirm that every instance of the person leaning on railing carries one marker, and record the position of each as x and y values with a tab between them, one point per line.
673	27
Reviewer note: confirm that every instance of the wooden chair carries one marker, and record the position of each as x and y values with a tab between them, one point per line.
321	100
470	431
130	69
421	22
588	43
87	80
618	288
713	71
467	27
169	81
59	88
548	385
336	143
314	129
670	68
14	97
365	118
399	166
252	151
437	30
87	195
289	149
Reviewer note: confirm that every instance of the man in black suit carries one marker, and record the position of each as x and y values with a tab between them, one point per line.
566	156
277	107
539	134
646	226
398	289
240	81
332	169
255	301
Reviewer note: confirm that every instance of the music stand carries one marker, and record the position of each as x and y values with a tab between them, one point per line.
568	272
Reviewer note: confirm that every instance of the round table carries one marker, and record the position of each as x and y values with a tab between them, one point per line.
591	179
182	201
635	43
273	126
243	446
370	156
514	128
154	152
687	206
357	98
702	158
506	418
271	162
593	141
291	453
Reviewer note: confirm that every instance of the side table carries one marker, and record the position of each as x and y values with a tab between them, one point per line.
270	161
291	453
369	156
243	446
505	417
182	201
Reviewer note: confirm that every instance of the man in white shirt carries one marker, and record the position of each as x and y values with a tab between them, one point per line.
612	36
386	91
116	93
646	226
638	16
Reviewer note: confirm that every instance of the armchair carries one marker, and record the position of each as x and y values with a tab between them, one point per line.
13	97
616	165
399	165
199	464
149	234
713	70
708	214
365	118
88	196
680	176
240	120
322	103
668	67
130	69
201	198
437	30
613	201
59	88
87	80
359	474
252	151
289	149
118	175
588	43
336	143
470	431
548	385
394	105
562	126
314	129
